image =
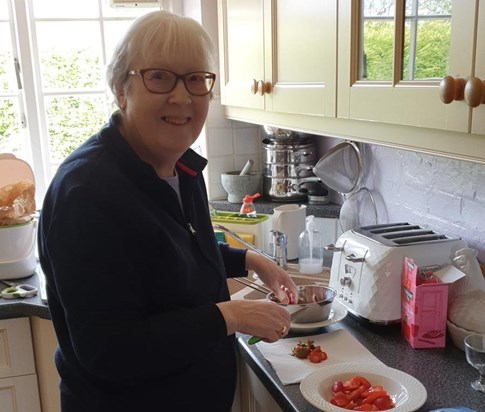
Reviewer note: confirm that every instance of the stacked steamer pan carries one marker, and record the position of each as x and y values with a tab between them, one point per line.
288	158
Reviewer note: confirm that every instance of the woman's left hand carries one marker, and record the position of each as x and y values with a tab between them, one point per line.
273	276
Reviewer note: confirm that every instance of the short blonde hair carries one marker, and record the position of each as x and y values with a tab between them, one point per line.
164	32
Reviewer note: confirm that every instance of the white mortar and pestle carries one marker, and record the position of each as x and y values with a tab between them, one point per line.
238	184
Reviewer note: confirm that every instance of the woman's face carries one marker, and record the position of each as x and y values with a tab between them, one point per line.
161	127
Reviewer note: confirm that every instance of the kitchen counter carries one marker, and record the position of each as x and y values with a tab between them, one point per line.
24	307
444	372
330	210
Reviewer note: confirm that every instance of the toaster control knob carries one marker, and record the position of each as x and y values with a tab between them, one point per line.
345	281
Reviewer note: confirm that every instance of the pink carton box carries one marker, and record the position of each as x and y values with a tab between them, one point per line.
424	304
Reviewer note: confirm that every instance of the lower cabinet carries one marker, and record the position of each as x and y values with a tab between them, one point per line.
253	395
45	343
18	380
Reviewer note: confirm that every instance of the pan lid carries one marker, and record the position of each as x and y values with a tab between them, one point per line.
13	170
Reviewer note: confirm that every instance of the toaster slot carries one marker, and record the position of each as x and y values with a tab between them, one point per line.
399	234
418	239
388	227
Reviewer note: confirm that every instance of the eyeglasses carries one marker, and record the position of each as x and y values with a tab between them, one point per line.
164	81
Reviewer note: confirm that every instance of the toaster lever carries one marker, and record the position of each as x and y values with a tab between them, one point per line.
354	259
333	248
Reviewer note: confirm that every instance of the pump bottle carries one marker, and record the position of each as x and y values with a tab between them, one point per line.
310	254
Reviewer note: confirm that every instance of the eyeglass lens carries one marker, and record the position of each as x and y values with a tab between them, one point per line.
164	81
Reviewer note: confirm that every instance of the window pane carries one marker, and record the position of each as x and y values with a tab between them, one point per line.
72	120
69	59
428	7
377	40
10	132
3	10
8	82
113	31
427	39
63	8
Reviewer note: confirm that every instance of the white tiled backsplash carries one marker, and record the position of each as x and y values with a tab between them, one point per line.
446	194
229	145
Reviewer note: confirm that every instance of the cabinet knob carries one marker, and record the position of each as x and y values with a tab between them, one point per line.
254	86
452	89
264	87
474	92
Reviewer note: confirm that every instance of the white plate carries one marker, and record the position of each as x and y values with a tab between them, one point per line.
337	313
406	391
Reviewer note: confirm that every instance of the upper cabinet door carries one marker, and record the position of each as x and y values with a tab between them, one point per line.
394	54
279	55
241	46
478	119
304	57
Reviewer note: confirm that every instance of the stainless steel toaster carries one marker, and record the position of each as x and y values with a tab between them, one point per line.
367	265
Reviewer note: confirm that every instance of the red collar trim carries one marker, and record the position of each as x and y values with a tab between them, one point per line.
186	169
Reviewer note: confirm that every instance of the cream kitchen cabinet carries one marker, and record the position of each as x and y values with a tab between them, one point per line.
45	343
18	379
278	55
411	102
478	119
402	115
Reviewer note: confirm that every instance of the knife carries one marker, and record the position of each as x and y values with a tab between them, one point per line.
255	339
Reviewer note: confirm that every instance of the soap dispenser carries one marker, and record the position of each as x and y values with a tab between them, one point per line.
247	208
310	244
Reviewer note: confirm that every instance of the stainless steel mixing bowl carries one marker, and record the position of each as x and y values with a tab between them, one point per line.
317	301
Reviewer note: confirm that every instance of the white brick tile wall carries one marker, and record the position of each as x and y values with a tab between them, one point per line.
446	194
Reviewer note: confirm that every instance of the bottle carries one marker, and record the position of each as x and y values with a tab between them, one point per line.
247	208
310	248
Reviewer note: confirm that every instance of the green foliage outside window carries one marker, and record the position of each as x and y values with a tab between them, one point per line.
378	50
432	50
71	121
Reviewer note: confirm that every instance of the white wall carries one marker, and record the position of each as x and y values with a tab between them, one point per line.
446	194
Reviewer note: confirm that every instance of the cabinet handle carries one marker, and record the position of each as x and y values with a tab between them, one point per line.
452	89
474	92
264	87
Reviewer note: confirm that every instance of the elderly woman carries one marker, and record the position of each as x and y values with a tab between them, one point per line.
136	281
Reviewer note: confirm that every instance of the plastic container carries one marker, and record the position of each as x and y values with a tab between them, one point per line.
310	248
247	208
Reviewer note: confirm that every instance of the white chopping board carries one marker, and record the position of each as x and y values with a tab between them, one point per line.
340	346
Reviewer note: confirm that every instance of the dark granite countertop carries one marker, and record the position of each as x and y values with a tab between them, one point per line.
330	210
24	307
444	372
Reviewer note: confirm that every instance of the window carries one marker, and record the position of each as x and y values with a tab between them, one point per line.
404	40
53	94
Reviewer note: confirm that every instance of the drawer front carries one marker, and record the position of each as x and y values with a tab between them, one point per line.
16	354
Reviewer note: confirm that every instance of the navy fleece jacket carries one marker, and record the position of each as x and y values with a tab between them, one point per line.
132	282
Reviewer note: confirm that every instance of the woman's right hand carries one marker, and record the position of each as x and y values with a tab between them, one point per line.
265	319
